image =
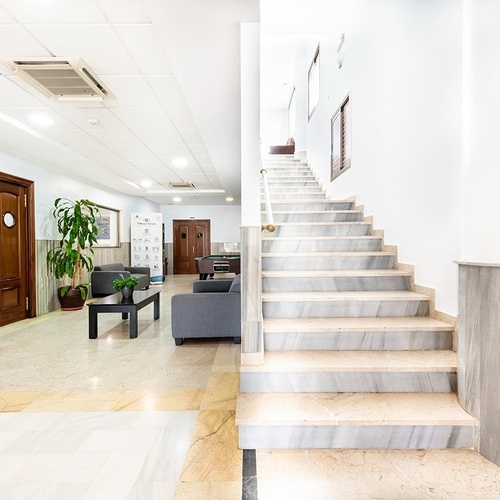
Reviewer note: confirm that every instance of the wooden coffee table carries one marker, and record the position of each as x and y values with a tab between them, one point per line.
116	304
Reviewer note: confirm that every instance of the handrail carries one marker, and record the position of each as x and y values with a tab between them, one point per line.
269	212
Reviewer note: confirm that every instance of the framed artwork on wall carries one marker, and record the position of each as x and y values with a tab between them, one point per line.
108	234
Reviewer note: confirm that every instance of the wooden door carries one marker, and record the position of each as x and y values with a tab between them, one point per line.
191	240
14	251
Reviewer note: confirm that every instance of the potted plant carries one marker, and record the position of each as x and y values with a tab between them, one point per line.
76	222
125	285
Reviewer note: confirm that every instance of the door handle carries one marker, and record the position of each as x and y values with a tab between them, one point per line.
193	248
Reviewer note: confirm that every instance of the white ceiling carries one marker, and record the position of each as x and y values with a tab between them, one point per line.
174	68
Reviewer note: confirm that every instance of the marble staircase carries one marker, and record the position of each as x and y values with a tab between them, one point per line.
353	358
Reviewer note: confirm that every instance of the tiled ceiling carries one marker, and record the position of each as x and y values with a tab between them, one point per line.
174	68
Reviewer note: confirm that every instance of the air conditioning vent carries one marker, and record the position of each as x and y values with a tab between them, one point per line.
64	79
181	185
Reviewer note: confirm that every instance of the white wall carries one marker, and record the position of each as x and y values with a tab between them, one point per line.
481	132
225	220
273	128
402	63
50	185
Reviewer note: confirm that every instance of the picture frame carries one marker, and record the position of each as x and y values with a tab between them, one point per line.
108	223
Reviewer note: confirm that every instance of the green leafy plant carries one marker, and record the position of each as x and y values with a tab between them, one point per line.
129	282
76	222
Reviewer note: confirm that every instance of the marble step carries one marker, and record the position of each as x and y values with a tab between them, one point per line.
325	204
381	421
321	244
352	371
335	280
323	229
276	261
280	189
318	216
280	197
378	334
343	304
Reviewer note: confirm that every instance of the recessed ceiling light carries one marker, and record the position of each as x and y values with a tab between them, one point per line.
41	120
180	162
229	198
146	183
176	198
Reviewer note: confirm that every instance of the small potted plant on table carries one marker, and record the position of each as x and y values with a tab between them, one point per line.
125	285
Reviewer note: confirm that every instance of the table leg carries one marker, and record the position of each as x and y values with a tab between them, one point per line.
133	324
124	315
157	307
92	324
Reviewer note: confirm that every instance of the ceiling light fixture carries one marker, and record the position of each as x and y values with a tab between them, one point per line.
41	120
229	198
146	183
133	184
180	162
176	198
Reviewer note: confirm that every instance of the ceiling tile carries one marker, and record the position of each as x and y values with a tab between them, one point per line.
16	42
97	45
114	137
106	119
167	90
13	96
143	118
98	152
58	11
125	11
5	18
145	47
70	137
198	150
147	164
130	91
23	114
181	118
191	136
159	137
136	151
167	151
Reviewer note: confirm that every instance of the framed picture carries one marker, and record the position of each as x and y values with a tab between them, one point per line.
108	234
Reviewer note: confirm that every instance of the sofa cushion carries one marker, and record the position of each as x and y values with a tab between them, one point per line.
235	285
110	267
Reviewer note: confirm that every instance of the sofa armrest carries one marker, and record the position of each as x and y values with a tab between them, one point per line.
211	286
139	270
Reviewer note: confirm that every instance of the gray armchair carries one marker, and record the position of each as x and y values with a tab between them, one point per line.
102	277
212	310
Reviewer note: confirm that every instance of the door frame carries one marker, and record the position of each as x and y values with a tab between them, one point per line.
174	221
30	237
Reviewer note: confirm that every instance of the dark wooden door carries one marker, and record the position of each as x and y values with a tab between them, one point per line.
191	240
13	253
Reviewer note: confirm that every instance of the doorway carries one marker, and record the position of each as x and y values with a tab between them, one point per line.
17	249
191	240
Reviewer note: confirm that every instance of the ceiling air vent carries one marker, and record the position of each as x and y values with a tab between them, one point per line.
64	79
181	185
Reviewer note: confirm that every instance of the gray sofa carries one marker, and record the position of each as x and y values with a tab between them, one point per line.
102	277
212	310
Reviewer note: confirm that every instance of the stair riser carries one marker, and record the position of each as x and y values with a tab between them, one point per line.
291	191
345	309
284	206
321	245
356	437
327	262
324	381
358	341
338	229
319	217
297	182
336	284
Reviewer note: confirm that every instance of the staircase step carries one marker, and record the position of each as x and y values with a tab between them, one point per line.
352	371
290	181
390	333
319	216
298	204
325	244
343	304
323	229
327	260
280	197
335	280
384	421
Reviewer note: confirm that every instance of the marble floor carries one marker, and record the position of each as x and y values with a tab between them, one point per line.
118	418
